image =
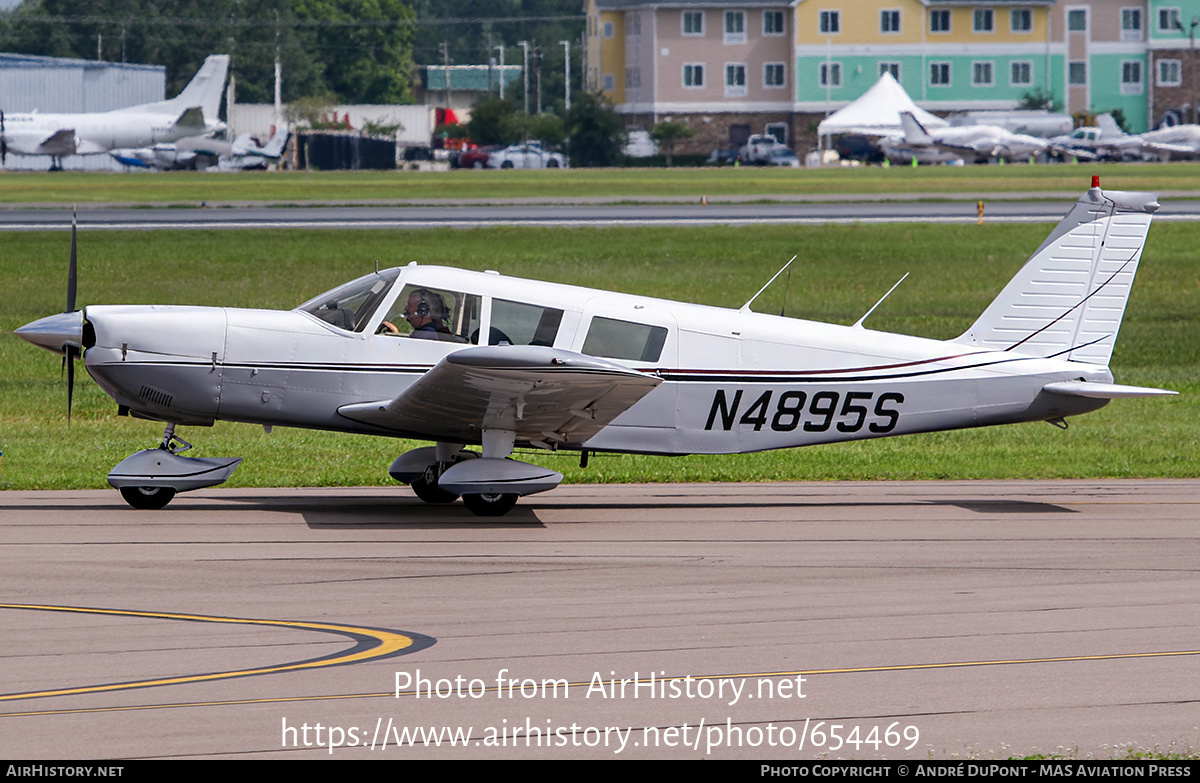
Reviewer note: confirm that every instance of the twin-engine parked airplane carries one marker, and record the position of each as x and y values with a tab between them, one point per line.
191	113
476	358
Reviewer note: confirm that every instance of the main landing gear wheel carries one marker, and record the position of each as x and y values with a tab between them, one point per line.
427	489
490	505
151	498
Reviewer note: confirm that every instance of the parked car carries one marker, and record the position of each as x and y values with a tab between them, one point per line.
758	149
782	156
526	156
723	157
476	157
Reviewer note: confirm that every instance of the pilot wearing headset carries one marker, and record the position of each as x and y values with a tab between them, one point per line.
426	314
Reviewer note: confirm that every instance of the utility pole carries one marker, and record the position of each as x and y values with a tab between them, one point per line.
525	71
566	45
445	47
278	79
501	48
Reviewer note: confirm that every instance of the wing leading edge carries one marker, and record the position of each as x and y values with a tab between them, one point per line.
545	396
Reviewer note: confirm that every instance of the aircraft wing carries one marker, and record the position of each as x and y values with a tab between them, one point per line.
544	395
60	142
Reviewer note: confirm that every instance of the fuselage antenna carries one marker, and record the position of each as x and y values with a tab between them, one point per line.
859	322
746	307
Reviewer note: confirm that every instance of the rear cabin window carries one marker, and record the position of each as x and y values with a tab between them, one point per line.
516	323
613	339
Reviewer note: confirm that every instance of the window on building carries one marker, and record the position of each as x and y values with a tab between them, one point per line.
633	24
1170	73
1168	19
1077	20
1131	77
939	21
778	130
831	75
1131	24
610	30
1021	74
985	19
981	74
693	75
633	78
610	82
1077	72
1021	20
889	20
774	75
939	74
735	80
735	27
831	22
892	68
773	23
693	23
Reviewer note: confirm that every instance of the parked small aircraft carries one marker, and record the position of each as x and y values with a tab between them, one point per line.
1106	141
477	358
973	143
191	113
192	154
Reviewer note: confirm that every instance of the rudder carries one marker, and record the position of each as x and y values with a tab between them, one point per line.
1069	298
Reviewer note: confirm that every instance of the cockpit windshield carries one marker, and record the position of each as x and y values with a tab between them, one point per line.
350	306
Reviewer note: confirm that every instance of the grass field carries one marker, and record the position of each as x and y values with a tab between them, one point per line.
192	188
842	270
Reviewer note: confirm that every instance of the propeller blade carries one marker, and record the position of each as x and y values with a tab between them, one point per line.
71	266
69	357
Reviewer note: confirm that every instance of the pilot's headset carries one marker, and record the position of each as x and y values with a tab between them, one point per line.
430	304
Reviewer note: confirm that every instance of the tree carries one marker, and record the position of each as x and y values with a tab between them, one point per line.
667	133
490	121
1039	98
348	50
595	131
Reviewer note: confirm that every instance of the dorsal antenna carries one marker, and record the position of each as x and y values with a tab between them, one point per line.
746	307
859	322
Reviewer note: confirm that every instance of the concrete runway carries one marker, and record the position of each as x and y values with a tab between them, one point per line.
899	620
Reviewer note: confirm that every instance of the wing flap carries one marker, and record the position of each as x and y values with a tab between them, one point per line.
543	395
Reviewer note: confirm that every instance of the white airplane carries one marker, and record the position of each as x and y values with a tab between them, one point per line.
1107	141
191	113
466	358
973	143
242	154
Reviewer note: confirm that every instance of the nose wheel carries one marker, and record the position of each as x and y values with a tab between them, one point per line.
490	505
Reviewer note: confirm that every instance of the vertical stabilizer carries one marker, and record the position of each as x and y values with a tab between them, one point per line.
1069	298
203	91
914	131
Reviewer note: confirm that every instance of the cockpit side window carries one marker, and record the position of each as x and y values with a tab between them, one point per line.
351	306
517	323
613	339
434	314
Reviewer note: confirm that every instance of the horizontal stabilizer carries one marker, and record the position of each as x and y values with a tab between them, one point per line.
1103	391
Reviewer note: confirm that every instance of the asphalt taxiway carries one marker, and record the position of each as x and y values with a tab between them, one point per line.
890	619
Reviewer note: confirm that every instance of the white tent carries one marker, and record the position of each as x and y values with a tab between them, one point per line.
877	112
